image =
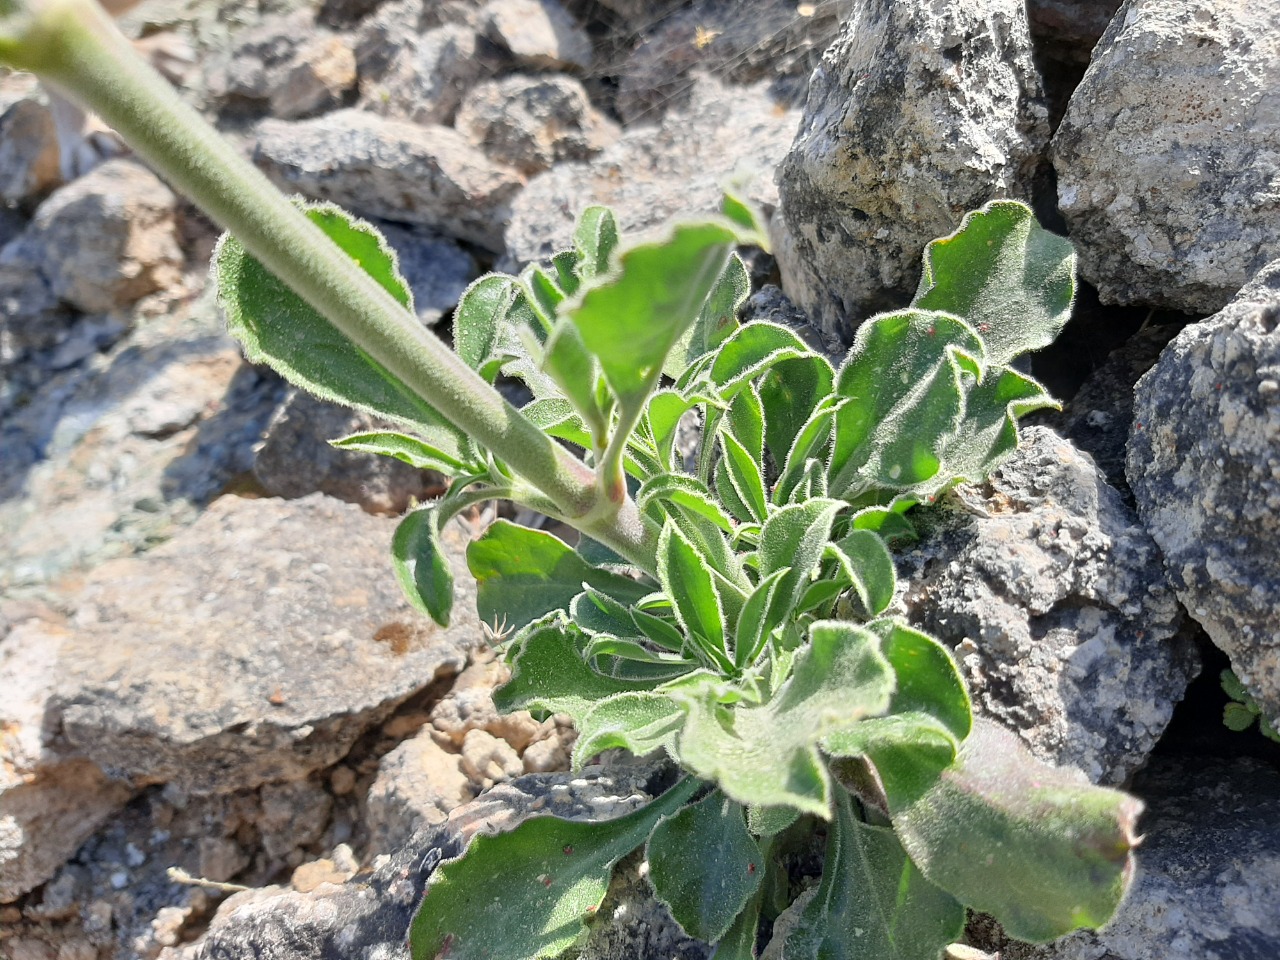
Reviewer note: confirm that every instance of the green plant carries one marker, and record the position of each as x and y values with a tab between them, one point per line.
1242	710
731	614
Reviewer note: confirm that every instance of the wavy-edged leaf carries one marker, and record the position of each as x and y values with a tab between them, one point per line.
866	564
595	238
420	564
894	528
717	319
686	492
659	630
790	392
1011	279
704	865
812	441
744	473
752	350
411	450
554	876
770	821
637	722
598	613
686	578
768	755
522	574
796	536
1039	848
760	615
871	902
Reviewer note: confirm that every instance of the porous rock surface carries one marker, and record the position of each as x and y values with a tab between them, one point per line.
1053	599
198	666
1207	870
1204	465
918	113
1167	158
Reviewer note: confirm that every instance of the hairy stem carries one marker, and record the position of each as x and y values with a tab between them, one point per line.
74	46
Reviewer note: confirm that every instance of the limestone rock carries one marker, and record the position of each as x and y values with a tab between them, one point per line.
426	77
653	175
1166	158
28	153
418	784
917	114
1204	465
321	72
393	170
256	646
1207	873
531	122
539	34
1054	601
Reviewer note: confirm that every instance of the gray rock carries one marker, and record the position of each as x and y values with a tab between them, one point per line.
256	646
1208	870
437	269
393	170
1204	465
418	784
1162	158
50	801
28	153
539	34
104	241
654	175
532	122
296	459
641	14
1053	599
317	79
426	77
366	918
918	114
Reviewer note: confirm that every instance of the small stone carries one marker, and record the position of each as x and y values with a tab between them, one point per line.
309	876
418	783
545	756
486	760
342	780
28	153
220	858
539	34
323	70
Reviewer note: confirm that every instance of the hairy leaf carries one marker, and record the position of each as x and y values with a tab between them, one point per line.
421	566
687	580
717	319
864	562
638	722
687	493
796	537
594	239
790	391
417	453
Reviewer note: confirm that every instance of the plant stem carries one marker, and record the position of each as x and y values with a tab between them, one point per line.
73	45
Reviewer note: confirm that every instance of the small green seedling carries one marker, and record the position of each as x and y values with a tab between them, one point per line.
732	615
1242	711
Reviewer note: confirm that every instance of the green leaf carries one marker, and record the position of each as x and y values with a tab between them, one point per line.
928	679
548	672
659	631
522	574
575	371
278	328
717	319
872	901
417	453
1232	686
496	329
1012	280
1038	847
631	317
744	474
637	722
554	874
760	615
894	529
744	213
864	561
421	566
745	420
704	865
595	238
1238	717
770	821
812	441
768	755
904	379
686	492
790	392
662	415
796	537
753	349
686	579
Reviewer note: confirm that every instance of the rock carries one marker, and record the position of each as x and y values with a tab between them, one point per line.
641	14
539	34
366	918
486	760
28	153
426	77
1162	165
918	114
1207	873
418	784
544	756
532	122
104	241
1204	465
653	175
1068	30
296	459
393	170
436	269
1053	599
320	74
50	801
469	706
255	646
740	43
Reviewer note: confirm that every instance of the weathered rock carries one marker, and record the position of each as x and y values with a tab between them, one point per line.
532	122
436	269
469	706
296	459
1068	30
1207	872
1053	599
366	918
737	42
426	77
486	760
393	170
256	646
918	114
539	34
28	153
1166	156
317	78
50	802
1204	465
653	175
104	241
418	784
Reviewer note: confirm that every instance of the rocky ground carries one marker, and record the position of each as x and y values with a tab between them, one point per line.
223	733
